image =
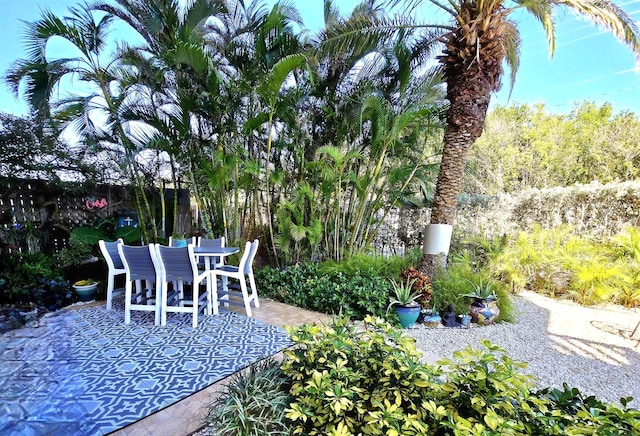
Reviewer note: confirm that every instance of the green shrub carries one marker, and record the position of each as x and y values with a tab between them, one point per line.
356	294
388	267
253	403
559	263
366	379
450	285
33	279
356	380
573	413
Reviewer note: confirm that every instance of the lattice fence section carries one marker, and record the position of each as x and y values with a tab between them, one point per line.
35	216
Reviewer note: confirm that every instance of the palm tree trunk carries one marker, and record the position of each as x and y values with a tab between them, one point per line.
468	93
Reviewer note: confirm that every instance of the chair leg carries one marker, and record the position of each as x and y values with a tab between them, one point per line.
254	290
110	284
213	289
127	303
158	303
225	289
209	296
245	296
196	304
163	307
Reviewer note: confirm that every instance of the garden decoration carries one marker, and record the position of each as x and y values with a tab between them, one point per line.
484	309
405	303
449	318
432	320
85	289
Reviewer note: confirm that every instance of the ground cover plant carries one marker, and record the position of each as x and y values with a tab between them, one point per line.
30	286
253	403
33	279
366	378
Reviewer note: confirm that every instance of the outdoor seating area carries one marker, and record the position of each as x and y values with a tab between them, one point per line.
432	258
156	275
84	372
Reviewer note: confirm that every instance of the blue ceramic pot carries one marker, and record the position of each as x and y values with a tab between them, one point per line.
432	321
407	315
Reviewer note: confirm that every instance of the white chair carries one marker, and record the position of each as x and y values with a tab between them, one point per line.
178	265
211	262
140	266
242	272
116	267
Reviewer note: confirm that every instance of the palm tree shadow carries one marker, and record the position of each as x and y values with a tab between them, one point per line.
625	331
606	365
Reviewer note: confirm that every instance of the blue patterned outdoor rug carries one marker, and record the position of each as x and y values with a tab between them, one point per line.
84	372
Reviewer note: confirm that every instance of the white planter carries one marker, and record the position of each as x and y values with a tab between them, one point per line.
437	239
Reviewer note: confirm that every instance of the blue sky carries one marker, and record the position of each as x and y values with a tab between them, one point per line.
588	64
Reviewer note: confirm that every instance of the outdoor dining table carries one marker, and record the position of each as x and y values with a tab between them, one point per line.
208	252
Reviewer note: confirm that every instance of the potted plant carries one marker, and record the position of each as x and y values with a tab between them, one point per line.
404	301
85	289
484	308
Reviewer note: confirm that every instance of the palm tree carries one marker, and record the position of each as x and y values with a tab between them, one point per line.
42	76
479	37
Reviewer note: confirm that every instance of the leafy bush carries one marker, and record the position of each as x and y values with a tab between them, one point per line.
349	380
33	279
253	403
421	284
367	379
450	286
388	267
335	292
580	412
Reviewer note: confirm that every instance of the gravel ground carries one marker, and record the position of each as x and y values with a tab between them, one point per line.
588	348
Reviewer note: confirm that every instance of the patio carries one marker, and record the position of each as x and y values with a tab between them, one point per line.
84	372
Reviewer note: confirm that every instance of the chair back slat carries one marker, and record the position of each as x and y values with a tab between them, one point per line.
205	242
215	243
112	249
138	262
248	264
110	253
177	263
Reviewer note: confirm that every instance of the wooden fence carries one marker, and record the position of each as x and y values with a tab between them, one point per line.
36	216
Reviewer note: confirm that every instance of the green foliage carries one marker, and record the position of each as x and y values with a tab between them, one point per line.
387	267
557	262
483	290
403	294
367	379
88	235
573	413
421	285
537	149
485	387
33	279
449	286
253	403
74	253
452	285
354	295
